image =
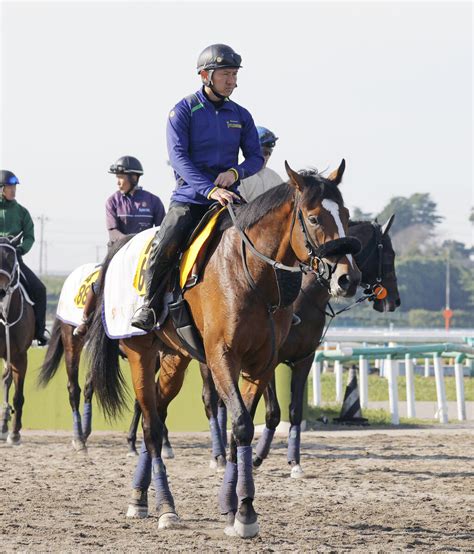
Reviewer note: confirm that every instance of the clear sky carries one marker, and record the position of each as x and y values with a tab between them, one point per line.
386	85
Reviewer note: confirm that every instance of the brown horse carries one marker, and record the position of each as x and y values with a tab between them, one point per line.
17	329
376	260
242	310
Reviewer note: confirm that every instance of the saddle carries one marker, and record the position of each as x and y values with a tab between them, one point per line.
185	276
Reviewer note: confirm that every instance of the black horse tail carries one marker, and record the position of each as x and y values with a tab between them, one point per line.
103	354
53	355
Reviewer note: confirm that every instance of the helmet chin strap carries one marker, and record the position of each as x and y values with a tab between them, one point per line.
208	82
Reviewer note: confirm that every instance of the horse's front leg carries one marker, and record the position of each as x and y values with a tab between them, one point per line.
19	364
237	491
6	408
141	353
272	419
87	411
210	399
299	376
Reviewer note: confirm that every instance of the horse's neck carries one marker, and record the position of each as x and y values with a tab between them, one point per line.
313	295
14	307
271	237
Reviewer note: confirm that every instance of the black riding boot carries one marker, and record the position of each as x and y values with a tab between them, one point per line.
37	291
175	228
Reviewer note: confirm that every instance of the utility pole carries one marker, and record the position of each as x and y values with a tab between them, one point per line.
42	219
447	312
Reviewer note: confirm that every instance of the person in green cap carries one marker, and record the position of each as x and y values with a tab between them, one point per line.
15	219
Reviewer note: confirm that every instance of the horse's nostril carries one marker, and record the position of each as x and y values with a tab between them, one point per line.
344	281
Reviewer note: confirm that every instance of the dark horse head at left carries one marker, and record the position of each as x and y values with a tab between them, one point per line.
17	324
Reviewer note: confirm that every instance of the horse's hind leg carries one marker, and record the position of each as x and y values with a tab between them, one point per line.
87	411
72	354
272	419
210	399
141	353
6	408
19	364
132	431
299	376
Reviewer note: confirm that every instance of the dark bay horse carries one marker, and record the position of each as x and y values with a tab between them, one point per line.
17	329
242	310
376	260
64	343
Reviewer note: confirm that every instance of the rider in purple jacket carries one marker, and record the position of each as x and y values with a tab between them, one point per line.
205	132
128	211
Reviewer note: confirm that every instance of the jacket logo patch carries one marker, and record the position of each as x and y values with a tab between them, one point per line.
234	125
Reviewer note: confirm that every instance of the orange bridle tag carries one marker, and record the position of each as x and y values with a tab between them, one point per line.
380	292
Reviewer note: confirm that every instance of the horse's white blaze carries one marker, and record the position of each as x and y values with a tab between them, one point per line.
333	208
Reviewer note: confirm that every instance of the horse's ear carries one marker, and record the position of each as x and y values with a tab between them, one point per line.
386	227
336	175
295	178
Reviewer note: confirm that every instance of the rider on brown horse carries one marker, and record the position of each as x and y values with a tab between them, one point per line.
128	211
204	134
15	220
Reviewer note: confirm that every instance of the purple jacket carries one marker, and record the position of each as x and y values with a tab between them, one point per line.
129	214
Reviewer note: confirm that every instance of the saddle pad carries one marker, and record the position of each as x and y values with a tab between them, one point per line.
191	254
124	286
74	292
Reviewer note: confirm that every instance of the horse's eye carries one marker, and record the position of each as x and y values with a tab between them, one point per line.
313	219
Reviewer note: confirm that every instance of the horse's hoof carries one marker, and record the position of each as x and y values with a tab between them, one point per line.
221	463
257	462
297	472
169	521
246	530
79	445
14	439
212	463
137	512
132	454
167	452
229	528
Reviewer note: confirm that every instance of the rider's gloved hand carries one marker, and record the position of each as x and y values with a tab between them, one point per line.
226	179
224	196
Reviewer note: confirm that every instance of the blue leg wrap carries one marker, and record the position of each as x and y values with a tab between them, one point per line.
222	419
227	493
164	498
264	443
76	425
87	419
294	442
245	485
218	448
142	477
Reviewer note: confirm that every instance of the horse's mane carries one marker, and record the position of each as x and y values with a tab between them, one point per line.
317	187
354	222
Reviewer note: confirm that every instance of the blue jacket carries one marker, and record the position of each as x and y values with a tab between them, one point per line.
204	141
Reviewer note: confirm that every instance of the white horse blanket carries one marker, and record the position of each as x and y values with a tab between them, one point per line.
74	292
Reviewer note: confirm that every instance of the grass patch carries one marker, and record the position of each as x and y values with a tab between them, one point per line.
425	388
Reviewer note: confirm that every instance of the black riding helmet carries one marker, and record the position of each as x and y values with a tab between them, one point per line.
218	56
8	178
126	165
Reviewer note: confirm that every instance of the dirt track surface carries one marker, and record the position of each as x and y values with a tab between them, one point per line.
363	490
